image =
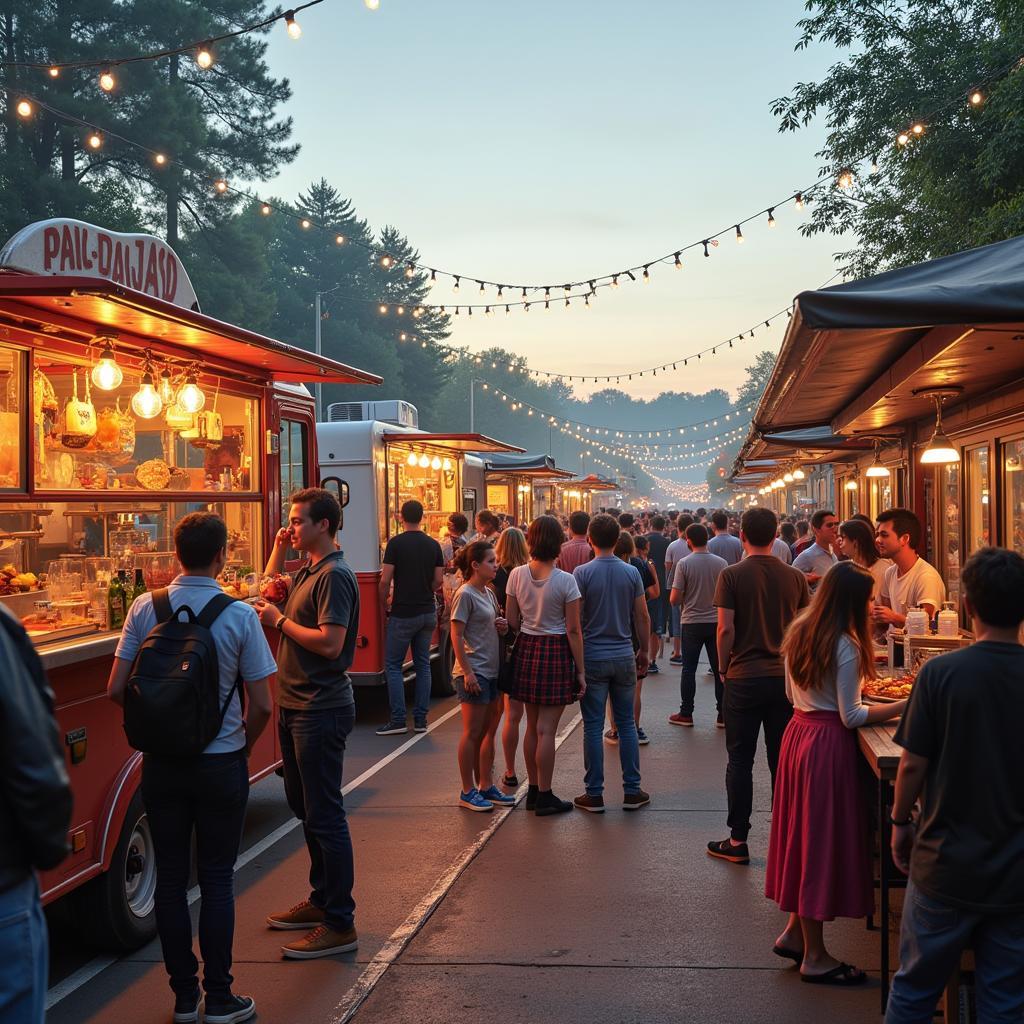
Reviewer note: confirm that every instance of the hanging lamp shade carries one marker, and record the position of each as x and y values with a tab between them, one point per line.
939	451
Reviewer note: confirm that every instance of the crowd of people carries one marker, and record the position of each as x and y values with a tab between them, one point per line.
571	610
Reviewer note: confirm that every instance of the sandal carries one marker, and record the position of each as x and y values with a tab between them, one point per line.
796	956
844	974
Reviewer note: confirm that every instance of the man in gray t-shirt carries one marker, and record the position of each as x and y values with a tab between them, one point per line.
693	590
723	543
816	560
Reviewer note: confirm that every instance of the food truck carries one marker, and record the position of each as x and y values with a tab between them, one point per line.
521	486
380	465
123	408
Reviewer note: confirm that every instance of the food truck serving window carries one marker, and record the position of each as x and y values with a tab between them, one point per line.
12	405
90	439
429	476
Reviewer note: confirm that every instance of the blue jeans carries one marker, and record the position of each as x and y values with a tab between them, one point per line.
313	751
401	634
207	794
24	954
932	937
695	637
674	626
616	679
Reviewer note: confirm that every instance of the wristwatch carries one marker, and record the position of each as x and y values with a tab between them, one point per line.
279	625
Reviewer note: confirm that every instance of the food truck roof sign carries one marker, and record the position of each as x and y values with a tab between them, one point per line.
60	246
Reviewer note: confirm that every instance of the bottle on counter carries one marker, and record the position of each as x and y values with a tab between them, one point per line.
917	622
117	600
140	586
949	621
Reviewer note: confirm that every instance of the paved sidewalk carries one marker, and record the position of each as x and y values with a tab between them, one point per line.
621	917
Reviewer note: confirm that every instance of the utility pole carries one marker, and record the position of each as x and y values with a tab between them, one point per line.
318	387
472	411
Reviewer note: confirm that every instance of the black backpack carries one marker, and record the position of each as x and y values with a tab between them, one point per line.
172	703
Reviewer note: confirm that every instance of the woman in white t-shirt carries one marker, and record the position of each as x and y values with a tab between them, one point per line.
543	606
857	543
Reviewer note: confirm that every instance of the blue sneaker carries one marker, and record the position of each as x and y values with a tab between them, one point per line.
496	796
641	737
653	670
474	801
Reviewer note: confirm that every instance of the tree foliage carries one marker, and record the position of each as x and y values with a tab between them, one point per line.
959	184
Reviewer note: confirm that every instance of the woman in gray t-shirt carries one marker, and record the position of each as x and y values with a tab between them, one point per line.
476	624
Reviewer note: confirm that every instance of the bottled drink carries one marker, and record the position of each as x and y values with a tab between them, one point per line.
140	584
117	601
949	622
917	622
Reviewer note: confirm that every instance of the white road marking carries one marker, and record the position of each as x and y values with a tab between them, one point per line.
407	930
86	973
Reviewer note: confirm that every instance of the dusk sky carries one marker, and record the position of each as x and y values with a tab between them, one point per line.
555	142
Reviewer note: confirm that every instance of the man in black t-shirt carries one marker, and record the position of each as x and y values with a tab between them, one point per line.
963	756
659	608
414	565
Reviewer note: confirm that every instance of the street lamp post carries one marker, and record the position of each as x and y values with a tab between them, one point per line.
318	387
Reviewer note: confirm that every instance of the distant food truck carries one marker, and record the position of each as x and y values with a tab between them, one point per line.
123	408
377	465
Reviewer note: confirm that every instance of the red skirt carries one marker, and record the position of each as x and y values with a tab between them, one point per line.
545	672
819	861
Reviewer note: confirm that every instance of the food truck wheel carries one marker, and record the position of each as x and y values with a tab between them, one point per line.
441	669
117	907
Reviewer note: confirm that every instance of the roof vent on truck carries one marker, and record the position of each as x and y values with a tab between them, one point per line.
402	414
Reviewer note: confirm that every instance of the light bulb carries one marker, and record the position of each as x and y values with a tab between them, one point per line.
787	478
306	224
977	98
446	464
106	374
146	403
424	461
339	239
739	235
221	185
204	58
24	108
191	397
412	460
94	140
166	388
435	463
294	28
771	217
265	209
55	72
918	129
903	138
798	474
851	485
372	5
159	159
107	80
798	202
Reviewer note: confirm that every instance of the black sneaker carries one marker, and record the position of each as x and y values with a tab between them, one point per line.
548	803
418	725
652	669
725	849
186	1008
531	798
232	1010
393	729
676	659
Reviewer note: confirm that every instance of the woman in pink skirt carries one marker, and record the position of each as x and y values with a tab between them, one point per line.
819	863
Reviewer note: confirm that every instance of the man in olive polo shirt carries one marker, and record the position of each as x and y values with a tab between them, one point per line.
318	630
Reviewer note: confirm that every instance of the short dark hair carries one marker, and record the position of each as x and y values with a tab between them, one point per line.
322	505
641	543
684	520
412	512
787	531
719	520
604	531
993	580
198	538
485	515
658	523
903	522
544	538
758	525
578	523
802	527
459	521
626	520
819	517
697	535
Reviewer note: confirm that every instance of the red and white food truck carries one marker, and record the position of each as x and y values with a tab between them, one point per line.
378	466
122	408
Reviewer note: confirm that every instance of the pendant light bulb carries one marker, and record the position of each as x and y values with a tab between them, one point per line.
424	461
876	471
851	485
146	402
204	58
293	27
106	374
107	80
191	397
798	474
939	451
435	462
411	460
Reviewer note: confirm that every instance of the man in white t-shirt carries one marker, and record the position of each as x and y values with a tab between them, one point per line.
674	554
910	582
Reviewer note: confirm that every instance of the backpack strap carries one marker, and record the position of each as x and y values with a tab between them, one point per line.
162	605
214	607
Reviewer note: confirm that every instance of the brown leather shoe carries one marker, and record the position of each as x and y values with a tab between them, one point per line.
301	917
634	801
594	804
321	941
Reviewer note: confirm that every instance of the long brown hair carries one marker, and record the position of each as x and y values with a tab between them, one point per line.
863	538
840	607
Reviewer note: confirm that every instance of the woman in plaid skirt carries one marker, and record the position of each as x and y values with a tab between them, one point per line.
543	606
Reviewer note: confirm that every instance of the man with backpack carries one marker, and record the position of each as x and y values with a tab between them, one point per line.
178	671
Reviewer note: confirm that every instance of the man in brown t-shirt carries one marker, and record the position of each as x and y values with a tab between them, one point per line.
757	599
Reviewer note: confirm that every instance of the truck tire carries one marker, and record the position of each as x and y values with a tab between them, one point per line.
441	668
116	909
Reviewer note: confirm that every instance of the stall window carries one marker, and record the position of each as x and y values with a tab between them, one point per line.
979	508
87	439
294	461
1013	494
429	477
949	519
12	406
497	497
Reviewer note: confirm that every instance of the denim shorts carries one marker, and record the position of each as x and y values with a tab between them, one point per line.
488	690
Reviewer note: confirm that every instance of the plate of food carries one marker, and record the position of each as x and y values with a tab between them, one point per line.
153	475
888	691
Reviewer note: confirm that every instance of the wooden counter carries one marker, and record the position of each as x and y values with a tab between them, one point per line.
879	750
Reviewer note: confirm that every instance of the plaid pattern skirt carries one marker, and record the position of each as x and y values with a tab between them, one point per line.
545	672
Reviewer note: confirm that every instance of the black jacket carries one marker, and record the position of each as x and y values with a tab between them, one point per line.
35	796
